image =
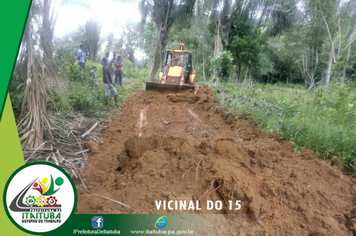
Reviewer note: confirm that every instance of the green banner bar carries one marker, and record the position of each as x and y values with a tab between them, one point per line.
11	158
138	224
13	16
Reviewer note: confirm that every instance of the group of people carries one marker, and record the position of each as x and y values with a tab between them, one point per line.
110	87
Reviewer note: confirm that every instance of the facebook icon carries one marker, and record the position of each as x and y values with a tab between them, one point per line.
97	222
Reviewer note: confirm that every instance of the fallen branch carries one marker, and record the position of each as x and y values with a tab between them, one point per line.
80	177
207	193
39	147
123	204
74	174
91	129
81	149
259	220
55	159
197	169
60	156
65	149
80	152
187	171
49	156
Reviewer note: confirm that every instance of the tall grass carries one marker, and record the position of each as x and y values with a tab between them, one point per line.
322	121
81	95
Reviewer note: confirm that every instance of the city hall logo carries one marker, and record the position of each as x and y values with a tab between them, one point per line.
39	197
46	200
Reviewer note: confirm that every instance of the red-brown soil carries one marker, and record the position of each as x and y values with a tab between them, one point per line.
186	147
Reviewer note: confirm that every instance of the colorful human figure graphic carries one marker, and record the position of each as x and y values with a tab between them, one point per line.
37	187
44	184
46	188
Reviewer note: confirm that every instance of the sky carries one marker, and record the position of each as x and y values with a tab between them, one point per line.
112	14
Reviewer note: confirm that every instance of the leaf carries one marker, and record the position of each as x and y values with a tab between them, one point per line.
20	96
19	86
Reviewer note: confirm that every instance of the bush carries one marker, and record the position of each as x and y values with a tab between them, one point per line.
80	95
73	73
221	66
321	121
134	77
129	69
84	98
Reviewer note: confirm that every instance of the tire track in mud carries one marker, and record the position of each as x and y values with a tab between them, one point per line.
143	121
186	147
194	115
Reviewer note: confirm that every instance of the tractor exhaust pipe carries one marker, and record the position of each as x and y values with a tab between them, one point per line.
181	46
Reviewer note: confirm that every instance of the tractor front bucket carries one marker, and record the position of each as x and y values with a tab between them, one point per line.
163	88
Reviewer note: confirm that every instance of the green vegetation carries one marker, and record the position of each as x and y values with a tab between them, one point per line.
81	95
73	73
83	98
222	65
77	93
321	121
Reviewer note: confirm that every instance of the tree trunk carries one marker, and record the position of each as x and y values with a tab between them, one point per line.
47	31
216	79
204	68
328	72
330	36
218	48
35	123
155	57
249	80
345	66
245	79
311	86
239	72
162	52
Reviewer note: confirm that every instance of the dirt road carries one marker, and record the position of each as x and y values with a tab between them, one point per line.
185	147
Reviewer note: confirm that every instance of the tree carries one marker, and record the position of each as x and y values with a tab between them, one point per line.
32	68
339	19
47	30
130	41
221	66
164	14
147	37
306	41
328	10
245	45
66	48
110	42
92	38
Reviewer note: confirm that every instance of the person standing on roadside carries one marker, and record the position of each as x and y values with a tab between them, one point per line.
93	76
81	57
118	71
107	79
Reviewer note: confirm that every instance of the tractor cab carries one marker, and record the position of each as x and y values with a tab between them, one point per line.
177	71
177	67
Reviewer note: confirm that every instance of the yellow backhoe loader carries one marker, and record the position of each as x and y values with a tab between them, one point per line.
177	73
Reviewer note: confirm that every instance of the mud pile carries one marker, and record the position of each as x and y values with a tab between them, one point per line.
185	147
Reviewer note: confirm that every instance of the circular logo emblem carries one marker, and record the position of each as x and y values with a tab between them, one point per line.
39	197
